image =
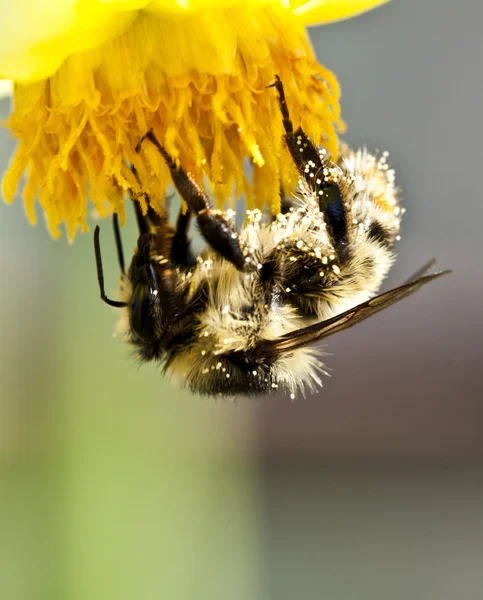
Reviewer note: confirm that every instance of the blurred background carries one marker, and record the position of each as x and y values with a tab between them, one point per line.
114	484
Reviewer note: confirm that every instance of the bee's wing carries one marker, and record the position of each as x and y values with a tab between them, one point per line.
422	271
318	331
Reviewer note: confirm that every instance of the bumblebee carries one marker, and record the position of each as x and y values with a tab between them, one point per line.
242	318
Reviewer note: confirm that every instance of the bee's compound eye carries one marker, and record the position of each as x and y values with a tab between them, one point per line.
143	312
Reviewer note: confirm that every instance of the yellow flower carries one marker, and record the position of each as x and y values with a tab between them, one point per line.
92	76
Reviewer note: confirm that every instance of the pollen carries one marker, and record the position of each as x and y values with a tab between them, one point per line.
207	102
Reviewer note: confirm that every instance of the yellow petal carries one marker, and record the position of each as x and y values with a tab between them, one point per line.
184	7
316	12
92	76
200	83
37	36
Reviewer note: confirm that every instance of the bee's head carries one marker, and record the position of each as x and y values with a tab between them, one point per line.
146	316
153	302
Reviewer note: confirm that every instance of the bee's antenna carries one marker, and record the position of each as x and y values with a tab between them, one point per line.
100	273
117	235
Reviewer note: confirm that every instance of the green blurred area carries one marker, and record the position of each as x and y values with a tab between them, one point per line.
113	482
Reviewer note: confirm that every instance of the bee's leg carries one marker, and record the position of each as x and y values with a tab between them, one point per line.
117	236
151	217
310	162
213	226
305	154
141	219
179	244
181	253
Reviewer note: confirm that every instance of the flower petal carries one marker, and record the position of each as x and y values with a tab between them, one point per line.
202	83
316	12
37	36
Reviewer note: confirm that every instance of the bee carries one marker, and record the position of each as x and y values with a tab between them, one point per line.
242	318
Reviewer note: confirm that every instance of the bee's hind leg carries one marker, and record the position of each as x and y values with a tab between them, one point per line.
310	162
303	151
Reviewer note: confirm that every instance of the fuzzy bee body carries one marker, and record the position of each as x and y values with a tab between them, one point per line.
299	280
242	318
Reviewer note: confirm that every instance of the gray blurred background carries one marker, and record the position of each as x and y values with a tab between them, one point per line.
114	484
